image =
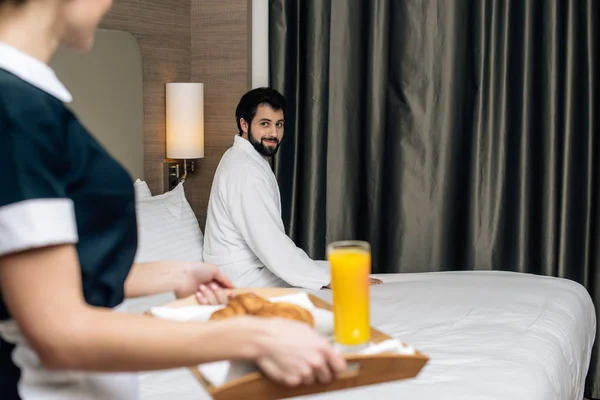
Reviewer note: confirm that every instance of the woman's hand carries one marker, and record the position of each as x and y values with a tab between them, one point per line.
206	281
183	278
292	353
43	293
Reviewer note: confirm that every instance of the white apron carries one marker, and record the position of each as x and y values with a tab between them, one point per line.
38	383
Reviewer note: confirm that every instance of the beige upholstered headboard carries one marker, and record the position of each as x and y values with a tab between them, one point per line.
106	84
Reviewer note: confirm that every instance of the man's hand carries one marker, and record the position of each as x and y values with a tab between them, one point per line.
374	281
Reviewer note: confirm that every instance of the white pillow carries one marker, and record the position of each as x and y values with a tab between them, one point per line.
141	189
167	228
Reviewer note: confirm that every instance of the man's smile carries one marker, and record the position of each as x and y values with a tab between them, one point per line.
271	141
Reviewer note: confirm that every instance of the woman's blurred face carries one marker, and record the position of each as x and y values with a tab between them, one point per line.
80	20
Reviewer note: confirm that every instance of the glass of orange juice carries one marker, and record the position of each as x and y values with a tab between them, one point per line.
350	264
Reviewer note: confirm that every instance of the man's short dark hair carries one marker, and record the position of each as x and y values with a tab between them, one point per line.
250	101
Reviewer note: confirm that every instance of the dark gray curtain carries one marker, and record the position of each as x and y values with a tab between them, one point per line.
451	135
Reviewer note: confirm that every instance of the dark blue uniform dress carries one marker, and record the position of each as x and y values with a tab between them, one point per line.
58	186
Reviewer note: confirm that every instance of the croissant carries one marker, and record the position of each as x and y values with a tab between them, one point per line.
243	304
287	311
251	304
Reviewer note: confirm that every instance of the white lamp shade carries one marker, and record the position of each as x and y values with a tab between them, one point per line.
185	120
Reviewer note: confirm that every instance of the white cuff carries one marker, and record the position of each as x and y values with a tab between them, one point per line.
37	223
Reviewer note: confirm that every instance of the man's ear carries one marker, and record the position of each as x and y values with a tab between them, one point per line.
244	125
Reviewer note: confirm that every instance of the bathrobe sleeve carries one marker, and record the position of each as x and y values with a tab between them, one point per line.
255	213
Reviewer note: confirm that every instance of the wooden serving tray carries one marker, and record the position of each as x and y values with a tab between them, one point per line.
363	369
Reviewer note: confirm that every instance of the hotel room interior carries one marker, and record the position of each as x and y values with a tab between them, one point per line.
458	137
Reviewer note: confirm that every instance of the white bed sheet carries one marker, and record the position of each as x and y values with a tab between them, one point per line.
489	335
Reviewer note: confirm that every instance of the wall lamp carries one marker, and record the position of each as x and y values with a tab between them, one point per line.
184	130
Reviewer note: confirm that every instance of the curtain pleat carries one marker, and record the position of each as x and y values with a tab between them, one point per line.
450	134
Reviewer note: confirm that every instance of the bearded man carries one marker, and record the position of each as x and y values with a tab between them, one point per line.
245	236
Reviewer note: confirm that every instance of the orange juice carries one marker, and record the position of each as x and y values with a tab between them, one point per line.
350	268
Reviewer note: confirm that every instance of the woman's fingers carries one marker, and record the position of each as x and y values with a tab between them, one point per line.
293	379
270	369
223	281
208	294
220	293
308	376
335	361
299	355
213	294
323	371
200	298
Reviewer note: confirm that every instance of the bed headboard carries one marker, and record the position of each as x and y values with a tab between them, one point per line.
106	84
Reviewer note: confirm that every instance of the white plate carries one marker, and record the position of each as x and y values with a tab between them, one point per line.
323	318
323	321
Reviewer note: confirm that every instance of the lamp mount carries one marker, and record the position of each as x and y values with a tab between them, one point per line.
175	172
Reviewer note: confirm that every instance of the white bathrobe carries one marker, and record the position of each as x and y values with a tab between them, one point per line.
244	234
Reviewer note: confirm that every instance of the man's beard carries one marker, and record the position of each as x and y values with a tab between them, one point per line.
261	147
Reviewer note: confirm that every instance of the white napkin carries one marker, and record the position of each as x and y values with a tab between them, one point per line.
219	373
185	314
323	318
390	345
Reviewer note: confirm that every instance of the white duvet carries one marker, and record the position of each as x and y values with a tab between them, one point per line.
489	335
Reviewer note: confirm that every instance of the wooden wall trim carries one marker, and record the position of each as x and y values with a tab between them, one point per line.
220	53
204	41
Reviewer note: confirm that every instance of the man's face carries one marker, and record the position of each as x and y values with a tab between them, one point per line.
266	130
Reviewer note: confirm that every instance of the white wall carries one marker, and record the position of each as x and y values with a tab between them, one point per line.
260	43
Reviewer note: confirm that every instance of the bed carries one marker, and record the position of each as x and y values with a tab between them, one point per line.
489	335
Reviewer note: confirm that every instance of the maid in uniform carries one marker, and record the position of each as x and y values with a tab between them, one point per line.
68	238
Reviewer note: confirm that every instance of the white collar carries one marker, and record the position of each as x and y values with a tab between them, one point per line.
33	71
245	145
